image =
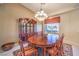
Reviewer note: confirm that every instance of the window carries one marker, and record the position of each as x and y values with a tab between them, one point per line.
52	38
52	27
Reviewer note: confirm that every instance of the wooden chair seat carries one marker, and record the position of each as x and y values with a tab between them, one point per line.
53	51
27	48
28	52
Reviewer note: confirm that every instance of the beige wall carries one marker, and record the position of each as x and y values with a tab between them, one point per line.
9	13
70	26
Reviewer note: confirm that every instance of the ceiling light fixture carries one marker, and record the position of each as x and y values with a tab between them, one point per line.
41	15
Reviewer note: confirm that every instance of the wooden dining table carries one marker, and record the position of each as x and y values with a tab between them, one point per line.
42	41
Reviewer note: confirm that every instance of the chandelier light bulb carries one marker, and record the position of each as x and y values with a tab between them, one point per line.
41	15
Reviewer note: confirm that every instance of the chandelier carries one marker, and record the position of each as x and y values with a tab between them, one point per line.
41	15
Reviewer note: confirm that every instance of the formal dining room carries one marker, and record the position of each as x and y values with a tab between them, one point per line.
39	29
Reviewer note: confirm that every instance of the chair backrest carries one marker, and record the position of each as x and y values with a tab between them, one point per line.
59	42
61	39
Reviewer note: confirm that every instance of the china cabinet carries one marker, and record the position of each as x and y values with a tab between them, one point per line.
26	28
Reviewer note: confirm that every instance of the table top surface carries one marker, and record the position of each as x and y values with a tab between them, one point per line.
44	40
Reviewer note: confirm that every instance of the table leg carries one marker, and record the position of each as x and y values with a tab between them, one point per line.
44	51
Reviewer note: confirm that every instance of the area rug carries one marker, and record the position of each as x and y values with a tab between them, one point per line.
67	50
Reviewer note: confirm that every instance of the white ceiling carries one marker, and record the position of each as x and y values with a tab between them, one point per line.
52	8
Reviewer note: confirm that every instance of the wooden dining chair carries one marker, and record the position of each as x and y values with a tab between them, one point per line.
57	49
60	46
26	51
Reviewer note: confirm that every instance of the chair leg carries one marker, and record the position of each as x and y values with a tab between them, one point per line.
36	52
23	52
61	52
